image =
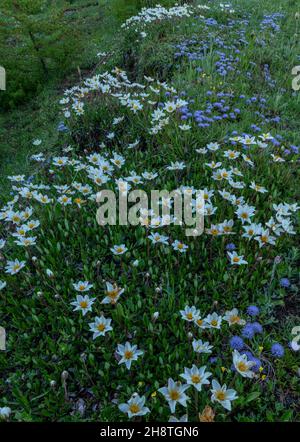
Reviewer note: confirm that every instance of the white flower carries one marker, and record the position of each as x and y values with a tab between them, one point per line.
222	395
119	250
60	161
184	127
135	406
157	238
232	317
251	230
37	142
213	147
100	326
231	154
190	314
176	166
13	267
174	393
258	188
170	106
247	140
213	321
200	322
128	354
183	418
265	238
113	293
33	224
242	365
179	246
49	273
236	259
2	285
82	286
196	376
5	412
64	200
245	213
201	347
2	243
83	303
26	241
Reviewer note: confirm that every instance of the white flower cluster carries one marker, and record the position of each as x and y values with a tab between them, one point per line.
158	13
135	97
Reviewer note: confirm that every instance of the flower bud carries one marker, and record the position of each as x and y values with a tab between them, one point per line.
155	316
64	375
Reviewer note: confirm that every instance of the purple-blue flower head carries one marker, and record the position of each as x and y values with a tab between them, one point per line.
252	310
248	331
257	327
257	365
277	350
230	246
236	343
285	282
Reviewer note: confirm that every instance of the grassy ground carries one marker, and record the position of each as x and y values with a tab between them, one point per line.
53	369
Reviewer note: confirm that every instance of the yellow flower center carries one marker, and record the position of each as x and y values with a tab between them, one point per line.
112	294
83	304
196	379
134	408
236	259
234	319
101	327
189	315
220	395
78	200
214	322
199	322
128	354
242	366
174	395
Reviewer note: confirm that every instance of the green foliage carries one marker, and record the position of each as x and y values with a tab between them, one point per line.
37	42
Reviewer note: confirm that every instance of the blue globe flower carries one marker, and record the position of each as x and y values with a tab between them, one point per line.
236	343
277	350
257	327
285	282
252	310
248	331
